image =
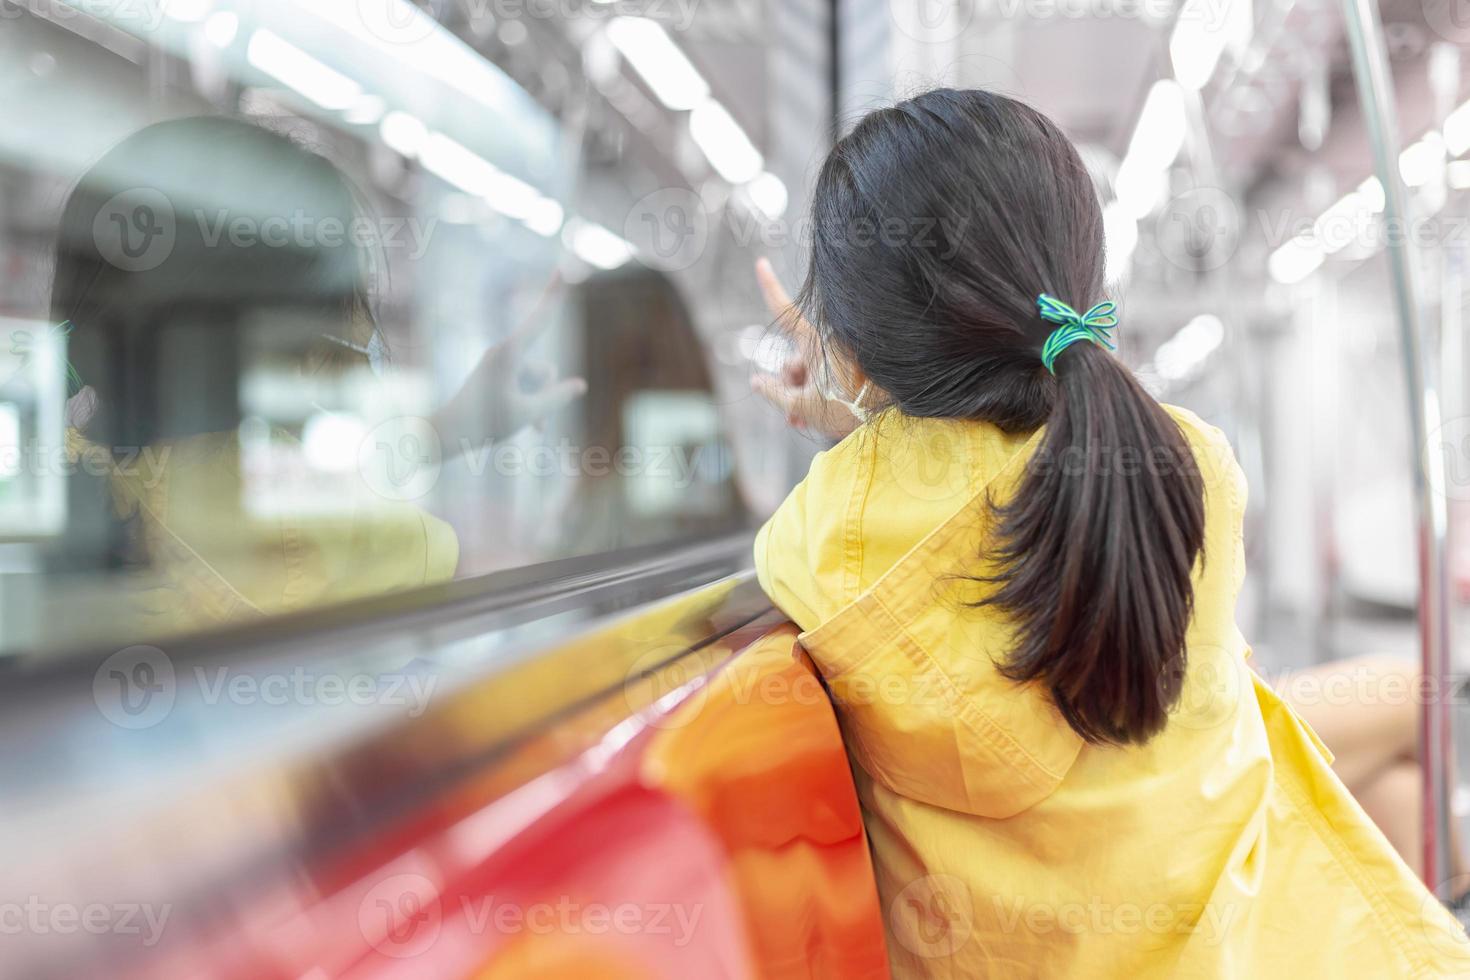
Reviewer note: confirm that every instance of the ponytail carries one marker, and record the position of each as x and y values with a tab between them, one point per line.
1093	556
1096	551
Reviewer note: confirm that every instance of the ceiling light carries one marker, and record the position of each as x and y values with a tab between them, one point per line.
1159	135
1120	231
1294	261
294	68
403	133
768	192
729	150
597	246
658	61
1419	161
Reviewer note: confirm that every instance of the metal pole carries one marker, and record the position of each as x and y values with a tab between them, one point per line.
1375	92
1246	395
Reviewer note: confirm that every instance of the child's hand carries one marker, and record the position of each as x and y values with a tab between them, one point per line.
507	391
794	390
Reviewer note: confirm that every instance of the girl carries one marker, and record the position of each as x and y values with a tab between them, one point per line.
1018	579
164	342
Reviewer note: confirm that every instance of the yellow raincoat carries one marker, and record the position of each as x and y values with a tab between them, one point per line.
212	561
1007	847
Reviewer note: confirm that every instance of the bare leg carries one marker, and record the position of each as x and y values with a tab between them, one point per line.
1366	710
1392	800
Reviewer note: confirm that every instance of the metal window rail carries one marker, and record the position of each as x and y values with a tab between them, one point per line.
1376	95
598	584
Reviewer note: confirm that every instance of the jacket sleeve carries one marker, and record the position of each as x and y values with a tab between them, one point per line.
1222	567
799	561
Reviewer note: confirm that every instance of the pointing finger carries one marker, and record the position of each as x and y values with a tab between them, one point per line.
778	301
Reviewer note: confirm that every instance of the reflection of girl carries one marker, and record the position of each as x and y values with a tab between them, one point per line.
192	250
635	327
1019	580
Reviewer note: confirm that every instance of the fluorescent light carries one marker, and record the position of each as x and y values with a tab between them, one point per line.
1372	191
658	61
1120	231
1457	130
1343	223
457	164
1156	141
1139	190
1178	356
1294	261
1240	25
1196	45
294	68
1159	135
222	28
510	196
403	133
1459	173
407	36
1419	161
597	246
769	194
546	217
365	111
464	168
729	150
10	462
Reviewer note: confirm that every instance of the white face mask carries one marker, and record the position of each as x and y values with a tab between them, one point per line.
376	353
373	350
827	388
856	405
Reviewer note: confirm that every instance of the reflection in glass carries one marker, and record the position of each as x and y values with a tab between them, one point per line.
314	308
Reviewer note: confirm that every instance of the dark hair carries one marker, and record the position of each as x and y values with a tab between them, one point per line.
204	288
162	330
937	223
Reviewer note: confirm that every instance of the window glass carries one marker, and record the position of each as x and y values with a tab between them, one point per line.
304	303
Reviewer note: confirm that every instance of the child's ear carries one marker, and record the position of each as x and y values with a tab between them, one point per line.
845	369
860	387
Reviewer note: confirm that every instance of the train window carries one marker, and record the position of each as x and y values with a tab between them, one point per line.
310	302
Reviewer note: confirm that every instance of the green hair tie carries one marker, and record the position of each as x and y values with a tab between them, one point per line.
23	344
1092	325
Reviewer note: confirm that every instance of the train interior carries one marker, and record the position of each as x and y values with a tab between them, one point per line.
357	593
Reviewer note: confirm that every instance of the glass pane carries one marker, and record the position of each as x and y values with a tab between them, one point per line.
307	303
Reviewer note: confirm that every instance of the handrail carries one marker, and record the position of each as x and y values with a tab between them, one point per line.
464	607
340	789
1376	95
